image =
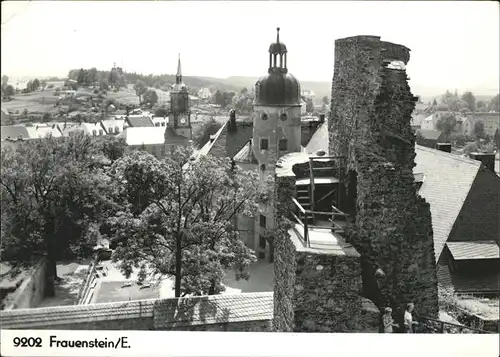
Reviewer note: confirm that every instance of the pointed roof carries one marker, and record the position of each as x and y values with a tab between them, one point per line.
178	76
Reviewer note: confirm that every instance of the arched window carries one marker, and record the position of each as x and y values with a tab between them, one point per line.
283	116
264	116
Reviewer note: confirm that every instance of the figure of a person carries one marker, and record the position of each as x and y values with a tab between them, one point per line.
408	318
388	321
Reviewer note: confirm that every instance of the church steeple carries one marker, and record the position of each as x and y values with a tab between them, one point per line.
178	76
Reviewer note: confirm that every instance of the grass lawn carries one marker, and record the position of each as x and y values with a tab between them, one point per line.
112	291
34	102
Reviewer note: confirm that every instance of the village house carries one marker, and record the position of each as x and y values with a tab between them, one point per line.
430	138
491	123
150	139
92	129
113	126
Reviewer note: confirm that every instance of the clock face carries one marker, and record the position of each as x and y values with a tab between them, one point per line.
183	120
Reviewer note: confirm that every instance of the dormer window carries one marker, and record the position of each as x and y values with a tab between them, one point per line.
264	116
283	116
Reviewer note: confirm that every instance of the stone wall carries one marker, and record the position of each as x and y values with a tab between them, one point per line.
370	119
31	291
316	289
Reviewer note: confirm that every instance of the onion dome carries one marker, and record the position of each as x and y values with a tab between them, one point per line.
278	87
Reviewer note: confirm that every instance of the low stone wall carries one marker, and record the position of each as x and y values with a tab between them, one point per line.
86	289
31	291
238	312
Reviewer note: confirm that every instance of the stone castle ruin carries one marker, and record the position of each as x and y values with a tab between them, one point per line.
381	242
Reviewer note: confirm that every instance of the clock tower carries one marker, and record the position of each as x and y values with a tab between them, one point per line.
180	115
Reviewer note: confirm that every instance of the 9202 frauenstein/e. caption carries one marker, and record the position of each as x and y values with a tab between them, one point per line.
54	342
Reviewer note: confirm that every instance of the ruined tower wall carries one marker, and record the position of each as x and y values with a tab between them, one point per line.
370	123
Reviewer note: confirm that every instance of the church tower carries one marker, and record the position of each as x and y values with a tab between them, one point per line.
276	126
180	115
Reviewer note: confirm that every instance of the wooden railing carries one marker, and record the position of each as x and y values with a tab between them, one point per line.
340	164
304	215
427	323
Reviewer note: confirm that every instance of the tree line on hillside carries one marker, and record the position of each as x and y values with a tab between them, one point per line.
61	197
8	90
466	103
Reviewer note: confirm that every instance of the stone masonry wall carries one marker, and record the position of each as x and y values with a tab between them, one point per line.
316	290
370	123
327	292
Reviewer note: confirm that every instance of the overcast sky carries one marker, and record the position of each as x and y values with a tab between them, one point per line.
454	44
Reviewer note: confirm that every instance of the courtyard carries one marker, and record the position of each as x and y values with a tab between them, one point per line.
112	286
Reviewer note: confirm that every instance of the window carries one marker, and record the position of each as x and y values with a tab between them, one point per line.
283	116
264	144
157	124
162	150
163	124
94	132
153	150
262	242
283	145
101	132
110	130
264	116
116	129
262	221
263	167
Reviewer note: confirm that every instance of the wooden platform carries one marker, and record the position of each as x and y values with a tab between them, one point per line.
318	181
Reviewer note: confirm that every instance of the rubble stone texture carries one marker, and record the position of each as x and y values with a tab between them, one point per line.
370	124
314	290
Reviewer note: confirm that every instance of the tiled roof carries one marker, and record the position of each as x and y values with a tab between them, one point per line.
231	139
143	135
112	124
139	121
245	155
65	315
474	250
213	309
319	140
167	313
430	134
448	179
14	132
171	137
468	283
44	131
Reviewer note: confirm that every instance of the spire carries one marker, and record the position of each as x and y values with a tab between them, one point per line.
277	35
178	76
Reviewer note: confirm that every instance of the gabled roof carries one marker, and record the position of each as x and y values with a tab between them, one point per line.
448	180
319	140
245	155
113	123
44	131
231	139
430	134
14	132
474	250
143	135
139	121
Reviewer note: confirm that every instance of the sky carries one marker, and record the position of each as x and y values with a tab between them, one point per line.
453	44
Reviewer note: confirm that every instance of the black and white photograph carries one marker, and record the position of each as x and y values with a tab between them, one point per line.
322	167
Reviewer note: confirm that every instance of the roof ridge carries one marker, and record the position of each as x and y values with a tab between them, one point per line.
450	155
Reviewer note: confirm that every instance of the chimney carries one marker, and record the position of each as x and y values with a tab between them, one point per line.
212	138
232	117
446	147
488	159
322	118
